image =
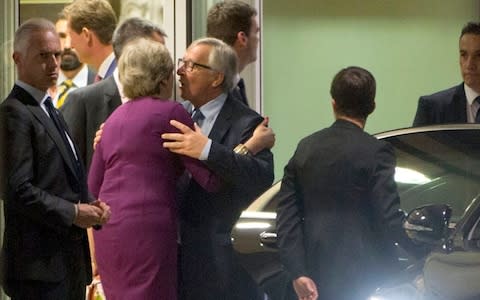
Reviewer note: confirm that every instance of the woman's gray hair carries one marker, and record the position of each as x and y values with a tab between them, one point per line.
144	63
25	32
222	58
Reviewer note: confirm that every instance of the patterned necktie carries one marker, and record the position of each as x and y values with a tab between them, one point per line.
97	78
477	116
198	117
63	91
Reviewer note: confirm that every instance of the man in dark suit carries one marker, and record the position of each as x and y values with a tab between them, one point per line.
47	204
235	23
73	73
91	24
459	104
86	108
338	214
209	267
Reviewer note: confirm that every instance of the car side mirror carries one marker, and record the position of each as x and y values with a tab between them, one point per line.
428	224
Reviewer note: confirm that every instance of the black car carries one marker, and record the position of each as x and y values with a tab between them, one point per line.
438	178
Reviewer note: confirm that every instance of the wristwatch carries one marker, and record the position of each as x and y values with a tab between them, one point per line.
241	149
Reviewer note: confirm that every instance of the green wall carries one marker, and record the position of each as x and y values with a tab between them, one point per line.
410	46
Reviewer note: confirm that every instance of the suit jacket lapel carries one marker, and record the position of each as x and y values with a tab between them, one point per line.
460	105
34	107
222	123
112	95
53	132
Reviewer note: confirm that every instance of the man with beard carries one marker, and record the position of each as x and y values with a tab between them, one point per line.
73	73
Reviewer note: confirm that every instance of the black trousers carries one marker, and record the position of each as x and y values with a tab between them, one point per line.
72	287
212	271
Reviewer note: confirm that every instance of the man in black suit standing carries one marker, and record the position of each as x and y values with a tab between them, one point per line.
338	214
461	103
209	267
47	205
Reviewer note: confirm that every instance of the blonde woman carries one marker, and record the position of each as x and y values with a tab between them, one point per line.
137	250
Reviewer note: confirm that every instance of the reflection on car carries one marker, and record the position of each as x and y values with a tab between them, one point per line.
438	177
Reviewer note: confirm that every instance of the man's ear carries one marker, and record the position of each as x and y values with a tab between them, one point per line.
87	35
242	39
17	57
335	108
219	78
334	105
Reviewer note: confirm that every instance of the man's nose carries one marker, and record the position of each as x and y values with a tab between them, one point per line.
68	42
470	62
54	60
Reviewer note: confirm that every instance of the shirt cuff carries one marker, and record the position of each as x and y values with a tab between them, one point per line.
206	150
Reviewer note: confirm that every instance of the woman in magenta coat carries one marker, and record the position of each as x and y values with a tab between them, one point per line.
136	251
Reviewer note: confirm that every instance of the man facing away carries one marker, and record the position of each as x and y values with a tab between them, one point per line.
91	24
338	214
47	205
461	103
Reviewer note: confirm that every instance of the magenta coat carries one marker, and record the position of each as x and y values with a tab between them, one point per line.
136	250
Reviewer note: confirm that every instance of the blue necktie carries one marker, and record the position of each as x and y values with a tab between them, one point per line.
198	117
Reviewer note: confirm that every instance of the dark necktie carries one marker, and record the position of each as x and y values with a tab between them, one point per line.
477	116
52	112
241	89
197	117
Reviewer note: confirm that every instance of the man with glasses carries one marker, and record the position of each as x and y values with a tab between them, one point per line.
209	268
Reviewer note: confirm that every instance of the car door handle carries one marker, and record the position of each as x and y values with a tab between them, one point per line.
268	239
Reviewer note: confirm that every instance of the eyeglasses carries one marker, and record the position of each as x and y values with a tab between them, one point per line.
190	65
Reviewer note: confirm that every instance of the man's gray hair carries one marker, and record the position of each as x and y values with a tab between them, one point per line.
222	58
25	32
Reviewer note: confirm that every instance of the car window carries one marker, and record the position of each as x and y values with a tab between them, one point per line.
434	167
438	167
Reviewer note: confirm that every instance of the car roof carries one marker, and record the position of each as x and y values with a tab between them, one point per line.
430	128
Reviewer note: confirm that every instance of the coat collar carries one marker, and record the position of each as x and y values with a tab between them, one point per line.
223	123
34	107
